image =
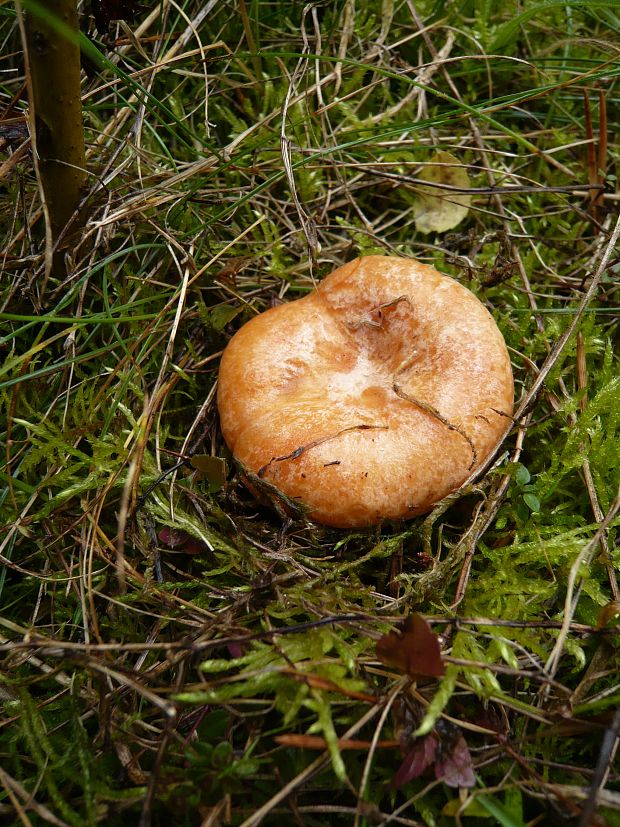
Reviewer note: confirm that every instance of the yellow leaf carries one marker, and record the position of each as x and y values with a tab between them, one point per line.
436	209
214	469
473	808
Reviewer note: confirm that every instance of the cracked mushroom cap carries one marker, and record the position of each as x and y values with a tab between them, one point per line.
372	398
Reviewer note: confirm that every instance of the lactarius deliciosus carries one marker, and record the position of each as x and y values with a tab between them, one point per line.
369	399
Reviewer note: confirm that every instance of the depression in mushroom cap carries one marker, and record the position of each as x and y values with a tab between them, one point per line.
371	398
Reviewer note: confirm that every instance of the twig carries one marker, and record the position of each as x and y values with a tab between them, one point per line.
531	396
145	815
490	510
316	766
315	443
509	189
307	223
394	693
569	603
605	760
528	401
15	789
432	411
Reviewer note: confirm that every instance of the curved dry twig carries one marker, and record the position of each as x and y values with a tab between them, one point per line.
429	409
303	448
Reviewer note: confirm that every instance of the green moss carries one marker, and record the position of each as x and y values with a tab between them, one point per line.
133	589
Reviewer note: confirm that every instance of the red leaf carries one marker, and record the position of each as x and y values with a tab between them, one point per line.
454	767
193	546
414	649
177	538
170	537
235	650
416	760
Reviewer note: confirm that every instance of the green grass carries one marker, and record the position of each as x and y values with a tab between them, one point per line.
159	630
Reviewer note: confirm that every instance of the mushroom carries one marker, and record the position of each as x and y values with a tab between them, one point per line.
369	399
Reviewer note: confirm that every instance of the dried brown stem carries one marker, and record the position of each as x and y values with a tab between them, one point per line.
429	409
315	442
53	70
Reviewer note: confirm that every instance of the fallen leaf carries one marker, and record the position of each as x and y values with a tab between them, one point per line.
214	469
453	761
222	314
417	760
178	539
414	649
235	650
436	209
473	808
454	768
406	715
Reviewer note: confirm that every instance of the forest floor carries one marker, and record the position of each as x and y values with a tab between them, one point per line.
174	653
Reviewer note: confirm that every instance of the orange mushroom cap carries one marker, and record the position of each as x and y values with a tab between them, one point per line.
371	398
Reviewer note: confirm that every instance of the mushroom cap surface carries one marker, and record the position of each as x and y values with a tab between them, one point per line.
371	398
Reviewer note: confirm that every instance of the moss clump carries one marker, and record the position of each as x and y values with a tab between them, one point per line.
160	632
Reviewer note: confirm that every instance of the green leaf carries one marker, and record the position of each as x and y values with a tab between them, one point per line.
221	315
496	809
440	699
474	809
510	30
325	725
532	502
522	475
